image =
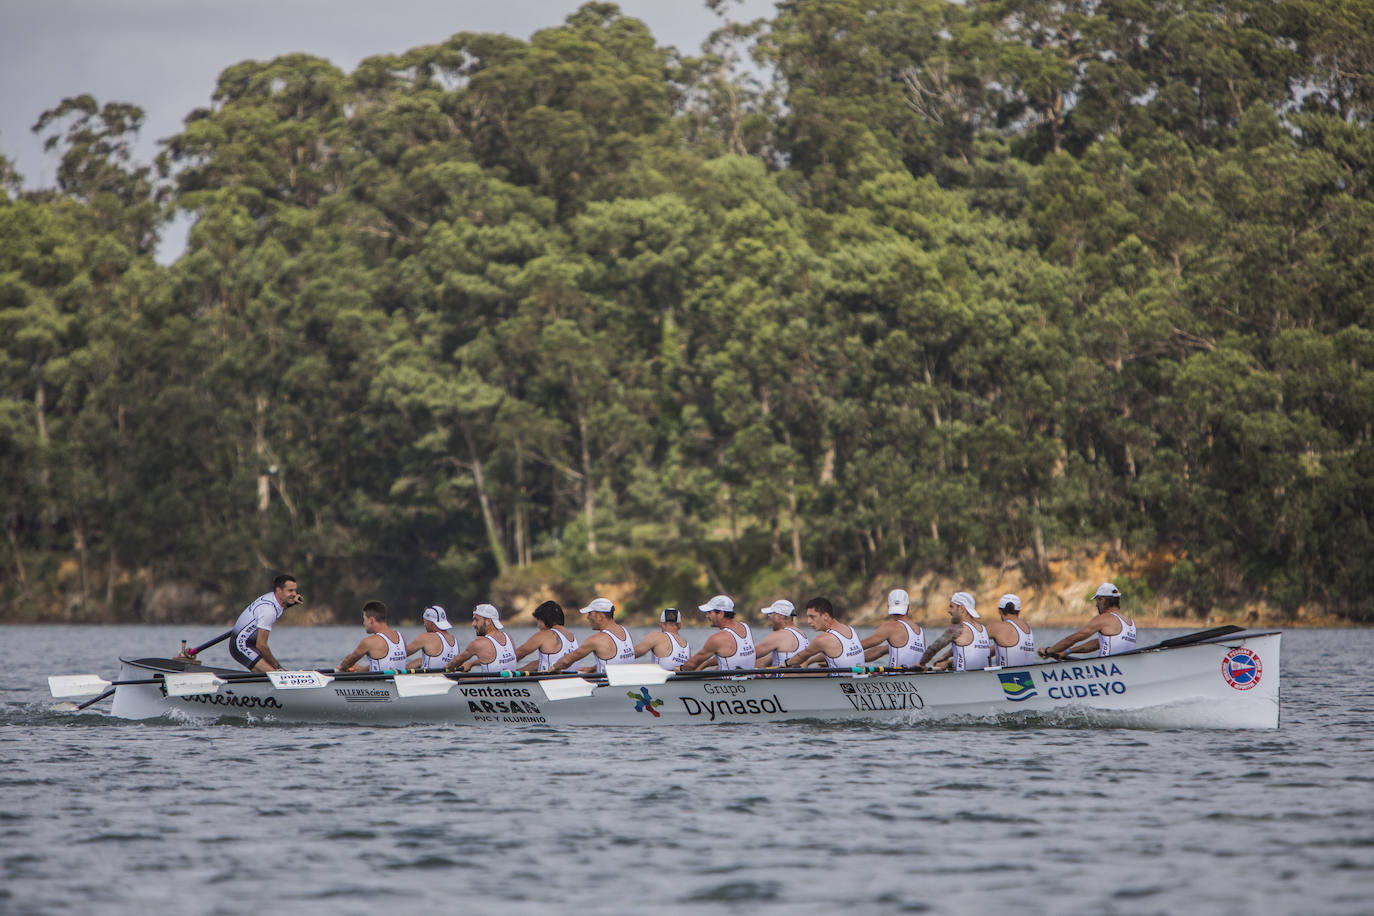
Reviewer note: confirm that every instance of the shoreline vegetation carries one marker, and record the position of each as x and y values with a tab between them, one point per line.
992	295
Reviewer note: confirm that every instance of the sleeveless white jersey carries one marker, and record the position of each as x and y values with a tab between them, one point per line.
565	645
1023	653
974	656
1121	642
909	653
260	615
851	650
624	652
779	659
395	658
743	656
679	656
439	662
505	654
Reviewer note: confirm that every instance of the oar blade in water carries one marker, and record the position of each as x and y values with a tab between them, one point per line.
636	675
189	685
299	680
422	685
568	689
76	685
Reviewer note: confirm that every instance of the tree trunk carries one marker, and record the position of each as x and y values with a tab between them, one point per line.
498	550
588	483
522	552
18	562
111	571
260	450
83	555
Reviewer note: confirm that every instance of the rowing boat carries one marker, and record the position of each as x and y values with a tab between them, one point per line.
1202	681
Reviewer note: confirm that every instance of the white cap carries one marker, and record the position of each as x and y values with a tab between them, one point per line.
781	607
600	606
1107	590
898	601
437	616
718	603
965	600
1011	599
490	612
663	617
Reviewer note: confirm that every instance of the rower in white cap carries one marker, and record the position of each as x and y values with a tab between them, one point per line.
667	647
1111	632
732	646
1013	643
492	651
777	649
436	645
611	644
970	648
895	637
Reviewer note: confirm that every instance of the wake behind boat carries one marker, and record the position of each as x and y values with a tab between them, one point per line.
1212	679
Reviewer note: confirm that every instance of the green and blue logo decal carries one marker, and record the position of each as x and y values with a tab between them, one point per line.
644	702
1017	685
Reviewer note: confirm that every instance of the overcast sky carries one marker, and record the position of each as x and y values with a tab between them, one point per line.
165	55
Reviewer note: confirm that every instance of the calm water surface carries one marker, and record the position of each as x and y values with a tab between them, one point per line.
105	816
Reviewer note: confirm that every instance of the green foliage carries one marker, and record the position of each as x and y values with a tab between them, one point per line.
941	285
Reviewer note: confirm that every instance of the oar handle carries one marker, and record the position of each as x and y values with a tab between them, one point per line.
205	645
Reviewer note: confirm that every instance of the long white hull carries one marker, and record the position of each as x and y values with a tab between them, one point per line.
1229	682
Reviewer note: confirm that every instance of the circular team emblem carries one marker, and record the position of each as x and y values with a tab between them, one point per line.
1241	668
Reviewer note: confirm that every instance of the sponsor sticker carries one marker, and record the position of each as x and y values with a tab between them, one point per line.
644	702
1017	685
882	695
1242	669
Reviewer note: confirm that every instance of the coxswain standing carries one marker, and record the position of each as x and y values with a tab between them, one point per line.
383	647
1113	630
492	650
254	626
835	642
1013	643
551	641
896	637
666	647
778	648
970	648
436	645
611	644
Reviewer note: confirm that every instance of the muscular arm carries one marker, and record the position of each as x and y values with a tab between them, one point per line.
815	653
879	637
650	644
763	649
260	643
539	641
580	652
1076	639
420	644
940	643
351	658
707	655
480	651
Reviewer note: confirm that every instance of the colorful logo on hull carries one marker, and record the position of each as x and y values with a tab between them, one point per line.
644	702
1241	668
1017	685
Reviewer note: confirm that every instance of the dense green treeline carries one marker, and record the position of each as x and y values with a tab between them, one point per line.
874	288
